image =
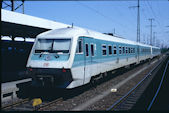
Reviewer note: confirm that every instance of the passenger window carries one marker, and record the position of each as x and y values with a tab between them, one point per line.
110	50
115	50
103	49
79	46
129	49
126	50
133	50
92	49
123	50
119	49
87	50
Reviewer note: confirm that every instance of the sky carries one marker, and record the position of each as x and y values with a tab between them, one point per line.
113	16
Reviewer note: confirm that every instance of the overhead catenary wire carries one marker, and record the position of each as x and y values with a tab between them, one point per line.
156	17
94	10
152	13
113	21
103	15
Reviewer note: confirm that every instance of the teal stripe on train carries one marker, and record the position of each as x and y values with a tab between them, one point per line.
50	57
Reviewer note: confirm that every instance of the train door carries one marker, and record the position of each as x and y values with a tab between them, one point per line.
79	60
87	59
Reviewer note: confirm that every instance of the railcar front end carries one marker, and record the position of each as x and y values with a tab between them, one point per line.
49	62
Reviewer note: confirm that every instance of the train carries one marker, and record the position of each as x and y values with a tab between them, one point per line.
72	57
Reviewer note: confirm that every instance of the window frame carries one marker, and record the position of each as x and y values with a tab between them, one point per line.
124	50
104	49
120	50
109	50
93	49
36	42
114	46
87	50
129	50
78	46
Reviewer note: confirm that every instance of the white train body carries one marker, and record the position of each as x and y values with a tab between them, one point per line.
69	57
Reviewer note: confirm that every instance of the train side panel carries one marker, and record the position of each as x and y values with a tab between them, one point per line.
144	53
99	56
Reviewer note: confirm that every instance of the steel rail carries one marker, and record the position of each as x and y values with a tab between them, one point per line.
112	107
38	108
48	104
164	73
16	103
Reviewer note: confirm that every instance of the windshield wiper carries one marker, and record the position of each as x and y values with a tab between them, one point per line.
56	56
43	53
40	55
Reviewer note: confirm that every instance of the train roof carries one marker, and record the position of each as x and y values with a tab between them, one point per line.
155	47
77	31
63	32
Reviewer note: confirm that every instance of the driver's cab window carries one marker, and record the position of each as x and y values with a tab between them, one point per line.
79	48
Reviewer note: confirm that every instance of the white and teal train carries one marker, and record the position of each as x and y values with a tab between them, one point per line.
72	57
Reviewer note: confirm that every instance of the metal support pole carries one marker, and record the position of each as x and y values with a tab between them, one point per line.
114	31
23	6
154	38
151	19
138	21
12	5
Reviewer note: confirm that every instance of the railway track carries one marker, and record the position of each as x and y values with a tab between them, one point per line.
14	104
47	105
26	105
159	87
127	101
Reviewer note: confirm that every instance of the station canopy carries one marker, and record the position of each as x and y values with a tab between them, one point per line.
22	25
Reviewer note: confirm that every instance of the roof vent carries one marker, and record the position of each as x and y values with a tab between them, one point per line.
109	34
69	26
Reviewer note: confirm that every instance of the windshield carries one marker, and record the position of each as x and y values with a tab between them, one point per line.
53	45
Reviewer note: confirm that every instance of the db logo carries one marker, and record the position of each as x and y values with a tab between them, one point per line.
46	64
48	58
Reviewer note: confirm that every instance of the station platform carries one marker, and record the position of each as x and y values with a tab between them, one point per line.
9	89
